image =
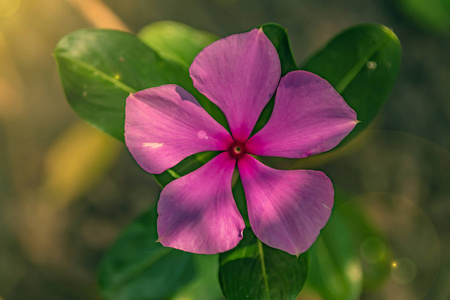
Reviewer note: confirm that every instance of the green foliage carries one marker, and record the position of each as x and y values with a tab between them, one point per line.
362	64
137	267
176	41
206	285
253	270
100	68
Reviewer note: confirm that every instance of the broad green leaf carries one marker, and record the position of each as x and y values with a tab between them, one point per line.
279	38
335	271
362	64
99	68
253	270
175	41
137	267
206	285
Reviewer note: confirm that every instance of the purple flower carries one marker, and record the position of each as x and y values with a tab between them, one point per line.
240	73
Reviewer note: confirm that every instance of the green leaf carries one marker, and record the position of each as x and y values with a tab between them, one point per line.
239	198
362	64
253	270
137	267
206	285
335	271
99	68
175	41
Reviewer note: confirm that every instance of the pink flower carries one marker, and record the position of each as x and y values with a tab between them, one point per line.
240	73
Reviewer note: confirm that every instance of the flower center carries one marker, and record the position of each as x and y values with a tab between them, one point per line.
237	149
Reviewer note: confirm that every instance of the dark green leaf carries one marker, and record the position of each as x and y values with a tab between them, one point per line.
138	268
241	202
253	270
175	41
362	64
99	68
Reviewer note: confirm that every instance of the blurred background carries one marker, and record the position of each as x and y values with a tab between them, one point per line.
66	190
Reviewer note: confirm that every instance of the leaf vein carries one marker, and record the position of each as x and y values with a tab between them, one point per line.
100	73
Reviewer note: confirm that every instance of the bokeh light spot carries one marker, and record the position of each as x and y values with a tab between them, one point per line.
403	271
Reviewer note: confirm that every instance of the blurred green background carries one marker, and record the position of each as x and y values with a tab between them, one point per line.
66	190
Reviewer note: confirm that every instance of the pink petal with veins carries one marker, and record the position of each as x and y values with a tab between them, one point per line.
197	212
309	117
286	209
165	124
239	74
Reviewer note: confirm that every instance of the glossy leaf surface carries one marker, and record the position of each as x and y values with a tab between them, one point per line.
175	41
362	64
137	267
99	68
253	270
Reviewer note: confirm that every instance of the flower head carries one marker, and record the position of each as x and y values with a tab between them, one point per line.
240	74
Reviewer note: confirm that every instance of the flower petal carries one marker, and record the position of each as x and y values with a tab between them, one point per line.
165	124
197	212
309	117
286	209
239	74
